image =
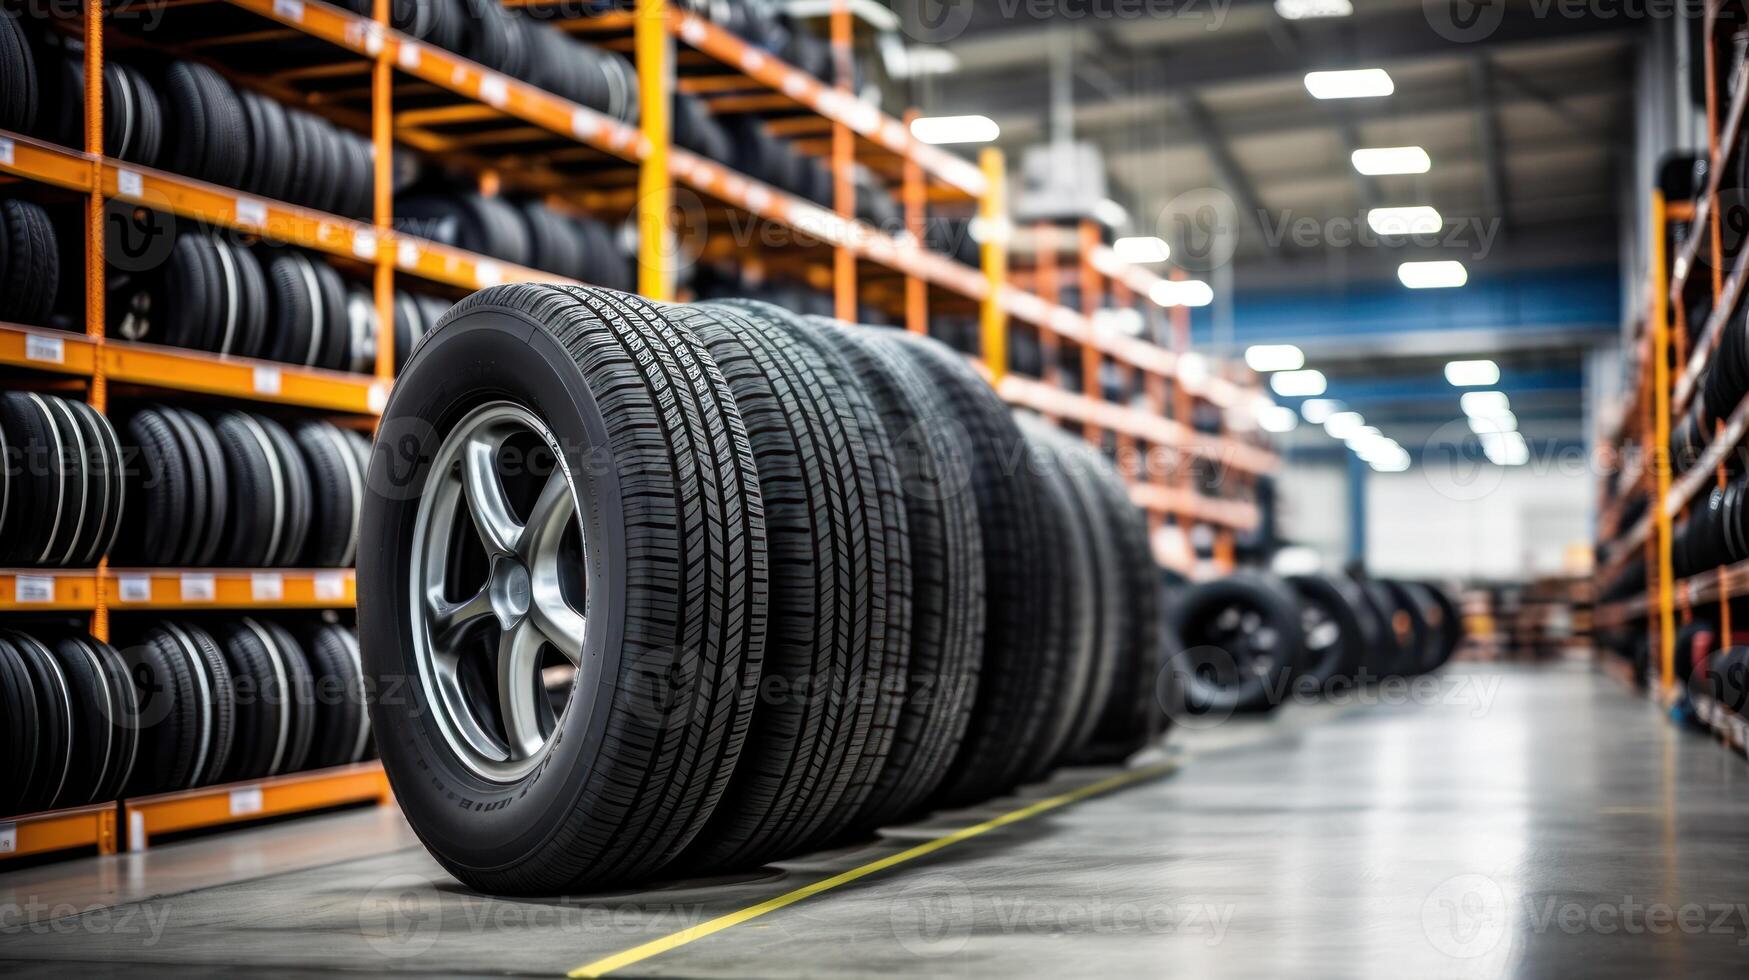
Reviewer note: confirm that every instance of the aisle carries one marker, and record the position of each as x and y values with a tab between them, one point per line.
1525	821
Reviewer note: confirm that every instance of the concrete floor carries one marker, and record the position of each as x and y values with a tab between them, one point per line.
1496	822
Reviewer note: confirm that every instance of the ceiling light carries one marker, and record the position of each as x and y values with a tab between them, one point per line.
1505	449
1111	213
1416	220
1390	464
1433	275
1278	418
1472	374
1309	9
1344	424
1382	161
1484	425
1142	250
1192	368
1357	83
1122	320
1484	403
921	61
1185	292
1264	358
1298	384
941	130
1318	410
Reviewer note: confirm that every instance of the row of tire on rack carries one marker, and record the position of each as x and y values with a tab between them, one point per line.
171	486
177	705
1251	642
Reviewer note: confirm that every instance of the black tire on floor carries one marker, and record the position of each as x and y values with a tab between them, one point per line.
1337	631
1242	647
1390	656
676	525
1446	617
1420	642
816	711
947	576
1024	628
1088	597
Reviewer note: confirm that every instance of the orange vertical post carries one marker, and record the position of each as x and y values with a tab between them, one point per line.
843	163
915	195
1660	448
654	49
1092	299
993	212
1050	290
95	313
382	142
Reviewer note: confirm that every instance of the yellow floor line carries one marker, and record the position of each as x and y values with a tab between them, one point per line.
656	947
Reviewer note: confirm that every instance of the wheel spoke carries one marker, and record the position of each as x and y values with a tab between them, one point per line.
561	625
449	619
518	664
499	529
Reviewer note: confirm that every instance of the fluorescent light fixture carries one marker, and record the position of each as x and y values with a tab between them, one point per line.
1318	410
1265	358
922	61
1486	425
1118	320
1446	274
941	130
1193	368
1472	374
1278	418
1142	250
1356	83
1344	424
1298	384
1482	404
1310	9
1186	292
1415	220
1505	448
1383	161
1390	464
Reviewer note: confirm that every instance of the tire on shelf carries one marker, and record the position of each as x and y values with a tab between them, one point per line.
263	704
1242	646
342	726
56	722
673	565
1021	662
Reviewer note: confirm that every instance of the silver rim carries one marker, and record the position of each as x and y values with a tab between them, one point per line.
499	589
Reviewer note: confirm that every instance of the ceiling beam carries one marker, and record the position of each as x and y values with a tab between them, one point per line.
1226	165
1494	188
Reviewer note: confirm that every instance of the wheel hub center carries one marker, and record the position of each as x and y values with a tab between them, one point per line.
509	590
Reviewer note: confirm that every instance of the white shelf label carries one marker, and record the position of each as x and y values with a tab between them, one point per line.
6	152
198	587
35	588
330	586
134	588
407	255
692	31
752	60
364	245
267	586
292	10
488	274
408	56
8	838
251	212
582	123
266	381
245	801
377	398
494	91
128	183
49	350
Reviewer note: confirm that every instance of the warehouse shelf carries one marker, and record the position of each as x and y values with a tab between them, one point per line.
1727	724
59	830
176	369
233	803
1702	214
1707	341
184	589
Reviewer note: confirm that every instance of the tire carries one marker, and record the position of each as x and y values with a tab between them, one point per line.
262	704
20	731
53	711
1020	663
1420	643
1242	646
30	263
1390	657
823	651
1336	632
18	78
1447	618
947	576
342	727
1083	550
338	491
259	502
95	713
40	491
207	128
677	607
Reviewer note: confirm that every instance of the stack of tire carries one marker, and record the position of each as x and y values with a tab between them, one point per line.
523	232
62	487
695	588
30	263
182	704
235	488
1251	641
